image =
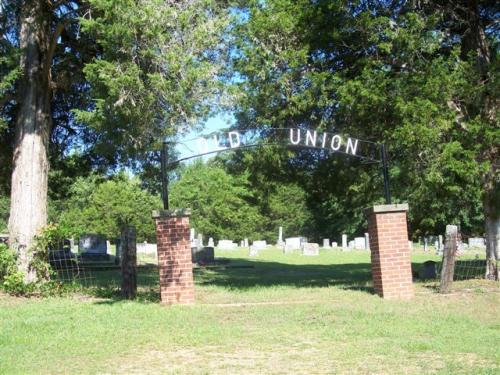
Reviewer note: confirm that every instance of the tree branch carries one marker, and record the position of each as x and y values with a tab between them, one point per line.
52	48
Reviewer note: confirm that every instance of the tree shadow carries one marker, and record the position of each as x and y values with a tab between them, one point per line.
248	274
242	274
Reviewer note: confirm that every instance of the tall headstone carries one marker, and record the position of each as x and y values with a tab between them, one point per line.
200	241
441	246
280	237
344	241
211	242
367	241
326	242
426	248
245	242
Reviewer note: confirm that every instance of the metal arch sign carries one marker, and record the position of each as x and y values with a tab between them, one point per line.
369	152
288	137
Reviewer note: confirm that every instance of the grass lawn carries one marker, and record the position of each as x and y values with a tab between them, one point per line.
274	314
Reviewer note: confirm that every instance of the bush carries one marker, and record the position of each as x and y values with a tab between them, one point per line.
7	262
12	280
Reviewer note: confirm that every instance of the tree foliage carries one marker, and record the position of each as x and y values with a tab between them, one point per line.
404	74
219	202
97	206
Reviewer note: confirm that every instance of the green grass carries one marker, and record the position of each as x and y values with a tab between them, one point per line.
279	314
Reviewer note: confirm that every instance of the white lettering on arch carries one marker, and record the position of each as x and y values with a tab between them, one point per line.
311	137
336	142
351	147
297	141
234	139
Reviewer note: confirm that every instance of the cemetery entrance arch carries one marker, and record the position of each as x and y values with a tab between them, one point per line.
387	224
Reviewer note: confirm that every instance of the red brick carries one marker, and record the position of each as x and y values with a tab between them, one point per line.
174	260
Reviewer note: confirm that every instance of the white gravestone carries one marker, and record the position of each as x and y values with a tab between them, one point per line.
146	248
477	242
199	242
211	242
254	252
310	249
259	245
292	243
326	242
280	236
245	242
344	241
359	243
367	241
227	245
335	244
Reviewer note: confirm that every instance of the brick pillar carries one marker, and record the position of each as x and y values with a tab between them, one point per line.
174	256
390	252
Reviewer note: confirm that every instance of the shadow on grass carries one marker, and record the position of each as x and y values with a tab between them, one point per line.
241	274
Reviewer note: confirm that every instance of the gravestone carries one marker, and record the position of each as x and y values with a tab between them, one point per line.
254	252
426	246
259	245
410	244
326	242
92	243
351	245
335	244
367	241
199	242
292	243
477	242
192	237
146	248
211	242
203	255
428	270
245	242
441	245
93	247
359	243
242	243
344	241
280	237
310	249
227	245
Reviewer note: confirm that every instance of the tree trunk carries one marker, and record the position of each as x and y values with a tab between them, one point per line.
28	209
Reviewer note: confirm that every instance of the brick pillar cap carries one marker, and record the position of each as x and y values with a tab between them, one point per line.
386	208
181	212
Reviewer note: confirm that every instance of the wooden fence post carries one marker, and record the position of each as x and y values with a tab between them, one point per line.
129	262
449	253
